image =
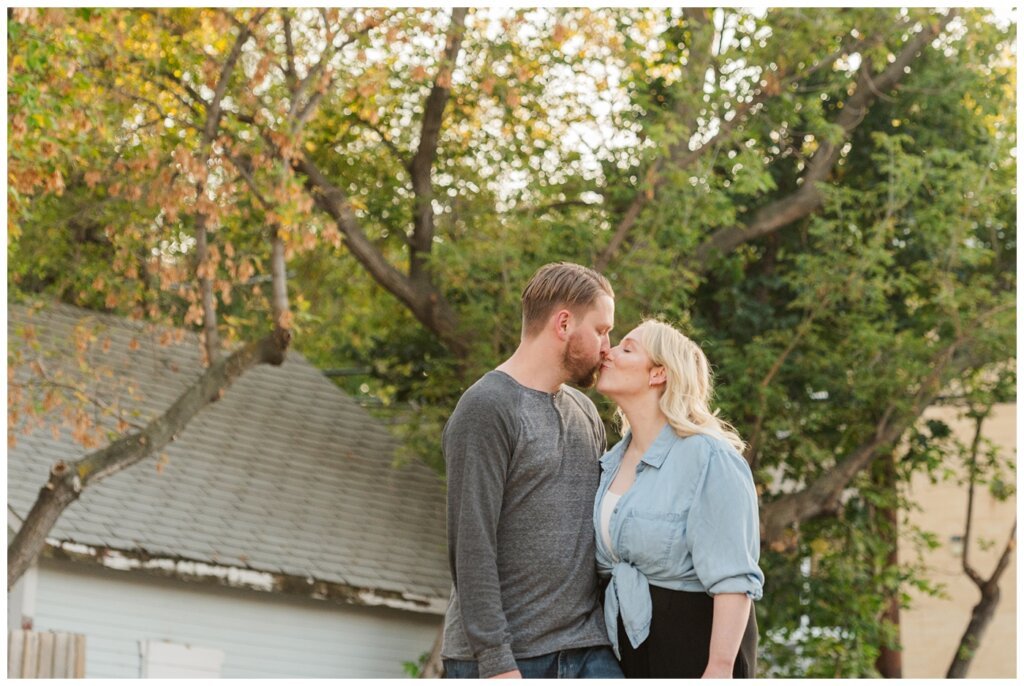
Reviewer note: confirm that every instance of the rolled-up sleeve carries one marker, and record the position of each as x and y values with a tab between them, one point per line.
723	531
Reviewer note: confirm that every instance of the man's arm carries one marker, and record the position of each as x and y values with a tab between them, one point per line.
478	445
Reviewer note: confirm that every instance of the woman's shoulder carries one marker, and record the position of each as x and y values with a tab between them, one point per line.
700	444
708	447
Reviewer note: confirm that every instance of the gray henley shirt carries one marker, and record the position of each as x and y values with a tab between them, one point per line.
522	469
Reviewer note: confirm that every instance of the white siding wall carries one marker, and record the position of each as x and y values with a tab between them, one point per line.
261	634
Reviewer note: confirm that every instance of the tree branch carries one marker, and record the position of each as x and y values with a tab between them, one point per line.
211	339
423	299
972	468
555	205
679	155
808	198
423	161
166	78
982	613
298	116
753	445
1006	557
823	494
244	167
81	392
279	285
291	78
399	156
699	57
205	270
68	480
213	111
184	123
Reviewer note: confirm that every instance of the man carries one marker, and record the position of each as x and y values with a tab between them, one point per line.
521	452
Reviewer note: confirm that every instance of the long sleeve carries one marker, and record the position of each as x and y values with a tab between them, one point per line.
478	446
723	531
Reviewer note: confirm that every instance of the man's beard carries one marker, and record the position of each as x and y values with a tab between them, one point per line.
582	370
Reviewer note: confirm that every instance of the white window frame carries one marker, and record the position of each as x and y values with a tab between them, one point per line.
165	659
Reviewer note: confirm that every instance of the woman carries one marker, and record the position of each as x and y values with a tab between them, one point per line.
676	517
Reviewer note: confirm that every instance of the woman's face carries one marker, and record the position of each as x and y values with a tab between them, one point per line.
627	369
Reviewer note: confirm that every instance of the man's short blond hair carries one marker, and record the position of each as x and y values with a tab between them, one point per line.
560	284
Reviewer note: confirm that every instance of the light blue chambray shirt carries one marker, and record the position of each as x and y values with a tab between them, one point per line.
688	523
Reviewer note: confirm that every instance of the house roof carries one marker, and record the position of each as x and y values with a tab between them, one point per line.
285	474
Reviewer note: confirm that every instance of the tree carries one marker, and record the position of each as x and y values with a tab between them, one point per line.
68	479
825	200
984	465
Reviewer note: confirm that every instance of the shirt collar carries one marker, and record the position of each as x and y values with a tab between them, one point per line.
655	455
615	454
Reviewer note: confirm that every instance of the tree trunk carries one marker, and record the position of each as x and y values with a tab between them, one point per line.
890	660
60	490
981	617
434	668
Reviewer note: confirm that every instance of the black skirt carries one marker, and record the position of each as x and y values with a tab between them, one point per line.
680	639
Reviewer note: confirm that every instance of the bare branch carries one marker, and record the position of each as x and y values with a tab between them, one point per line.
146	73
847	46
93	400
135	97
681	157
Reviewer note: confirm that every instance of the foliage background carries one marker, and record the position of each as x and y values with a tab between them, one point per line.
874	271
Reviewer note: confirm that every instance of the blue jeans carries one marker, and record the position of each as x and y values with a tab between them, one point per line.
597	662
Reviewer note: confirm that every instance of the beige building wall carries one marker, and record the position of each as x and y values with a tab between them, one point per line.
932	627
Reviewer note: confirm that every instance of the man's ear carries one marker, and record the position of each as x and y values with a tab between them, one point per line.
562	321
658	376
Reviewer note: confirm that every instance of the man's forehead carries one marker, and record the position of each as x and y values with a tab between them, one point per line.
602	311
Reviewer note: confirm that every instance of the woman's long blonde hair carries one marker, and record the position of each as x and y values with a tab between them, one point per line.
688	384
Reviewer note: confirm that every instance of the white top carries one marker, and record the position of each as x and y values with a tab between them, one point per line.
608	504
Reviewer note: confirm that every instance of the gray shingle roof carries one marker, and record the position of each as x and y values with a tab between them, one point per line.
285	474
